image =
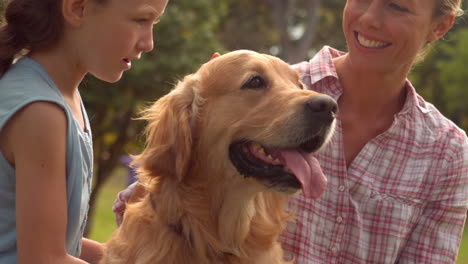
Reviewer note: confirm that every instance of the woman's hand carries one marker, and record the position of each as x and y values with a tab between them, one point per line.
130	195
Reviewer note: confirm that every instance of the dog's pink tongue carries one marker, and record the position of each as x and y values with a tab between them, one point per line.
307	170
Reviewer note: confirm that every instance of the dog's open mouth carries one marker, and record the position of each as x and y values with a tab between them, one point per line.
282	169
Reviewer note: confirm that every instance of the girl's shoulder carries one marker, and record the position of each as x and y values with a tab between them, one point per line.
23	84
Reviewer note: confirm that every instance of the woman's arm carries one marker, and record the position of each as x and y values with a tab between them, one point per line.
37	137
131	194
437	235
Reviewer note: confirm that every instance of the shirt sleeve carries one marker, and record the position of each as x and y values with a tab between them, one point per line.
437	235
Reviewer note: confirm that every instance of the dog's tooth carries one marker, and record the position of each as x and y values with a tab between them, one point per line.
277	161
256	146
270	157
261	151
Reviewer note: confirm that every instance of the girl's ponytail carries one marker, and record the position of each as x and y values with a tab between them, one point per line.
28	25
10	45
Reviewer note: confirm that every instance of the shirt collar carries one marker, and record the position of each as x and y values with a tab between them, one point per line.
414	101
324	60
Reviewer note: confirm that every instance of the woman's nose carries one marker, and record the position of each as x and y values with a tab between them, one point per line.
373	14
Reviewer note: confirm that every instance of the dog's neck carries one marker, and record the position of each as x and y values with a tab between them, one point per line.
221	226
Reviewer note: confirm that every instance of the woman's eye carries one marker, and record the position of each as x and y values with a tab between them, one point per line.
398	7
256	82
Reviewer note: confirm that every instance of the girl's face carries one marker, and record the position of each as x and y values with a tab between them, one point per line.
115	34
386	35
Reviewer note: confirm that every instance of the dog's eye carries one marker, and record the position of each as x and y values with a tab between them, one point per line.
301	86
256	82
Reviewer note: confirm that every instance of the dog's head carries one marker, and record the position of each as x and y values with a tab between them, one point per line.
244	116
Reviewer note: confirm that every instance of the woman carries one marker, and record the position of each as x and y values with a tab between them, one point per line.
397	169
45	138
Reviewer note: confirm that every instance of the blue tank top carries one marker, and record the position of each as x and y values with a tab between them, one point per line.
26	82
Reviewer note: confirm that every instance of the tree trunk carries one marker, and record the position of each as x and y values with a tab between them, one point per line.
294	51
105	164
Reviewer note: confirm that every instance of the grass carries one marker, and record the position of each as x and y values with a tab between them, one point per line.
104	221
463	252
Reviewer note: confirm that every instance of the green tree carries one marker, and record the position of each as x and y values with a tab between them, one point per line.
290	29
442	77
454	77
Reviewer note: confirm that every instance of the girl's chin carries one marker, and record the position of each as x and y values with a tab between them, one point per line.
110	78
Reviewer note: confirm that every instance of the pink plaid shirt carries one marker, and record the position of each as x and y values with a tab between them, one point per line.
402	200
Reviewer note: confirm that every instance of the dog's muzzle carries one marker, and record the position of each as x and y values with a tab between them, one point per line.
287	169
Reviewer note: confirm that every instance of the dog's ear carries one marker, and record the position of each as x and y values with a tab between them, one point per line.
169	133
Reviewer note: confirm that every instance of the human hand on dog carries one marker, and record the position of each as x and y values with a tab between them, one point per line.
119	204
131	194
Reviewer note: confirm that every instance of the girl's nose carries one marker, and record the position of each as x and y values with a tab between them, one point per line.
146	42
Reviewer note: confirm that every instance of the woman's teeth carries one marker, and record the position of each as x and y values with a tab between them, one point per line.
371	43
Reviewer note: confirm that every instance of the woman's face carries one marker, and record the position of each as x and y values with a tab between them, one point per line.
116	33
385	35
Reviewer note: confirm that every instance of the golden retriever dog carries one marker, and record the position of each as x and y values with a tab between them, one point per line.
224	149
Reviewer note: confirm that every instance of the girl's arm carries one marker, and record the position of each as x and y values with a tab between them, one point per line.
91	251
37	139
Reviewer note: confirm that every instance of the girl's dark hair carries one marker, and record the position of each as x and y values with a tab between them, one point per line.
28	25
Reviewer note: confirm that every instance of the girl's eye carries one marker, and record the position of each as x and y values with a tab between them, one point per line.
398	7
146	21
141	20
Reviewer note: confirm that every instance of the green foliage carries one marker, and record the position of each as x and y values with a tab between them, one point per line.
454	77
442	77
251	25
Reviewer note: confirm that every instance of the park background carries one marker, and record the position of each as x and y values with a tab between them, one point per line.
188	34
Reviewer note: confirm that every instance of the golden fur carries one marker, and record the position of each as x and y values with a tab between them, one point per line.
198	208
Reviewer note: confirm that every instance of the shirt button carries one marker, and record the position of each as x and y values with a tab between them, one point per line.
288	256
291	227
334	249
339	219
341	188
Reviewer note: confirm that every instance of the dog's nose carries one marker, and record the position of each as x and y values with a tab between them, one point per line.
322	106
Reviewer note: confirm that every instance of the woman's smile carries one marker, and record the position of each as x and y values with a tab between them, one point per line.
370	43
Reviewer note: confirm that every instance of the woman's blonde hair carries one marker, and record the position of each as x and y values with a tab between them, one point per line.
442	8
445	7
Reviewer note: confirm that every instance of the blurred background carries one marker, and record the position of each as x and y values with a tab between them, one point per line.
189	33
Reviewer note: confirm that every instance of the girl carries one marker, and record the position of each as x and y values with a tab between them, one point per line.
45	138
